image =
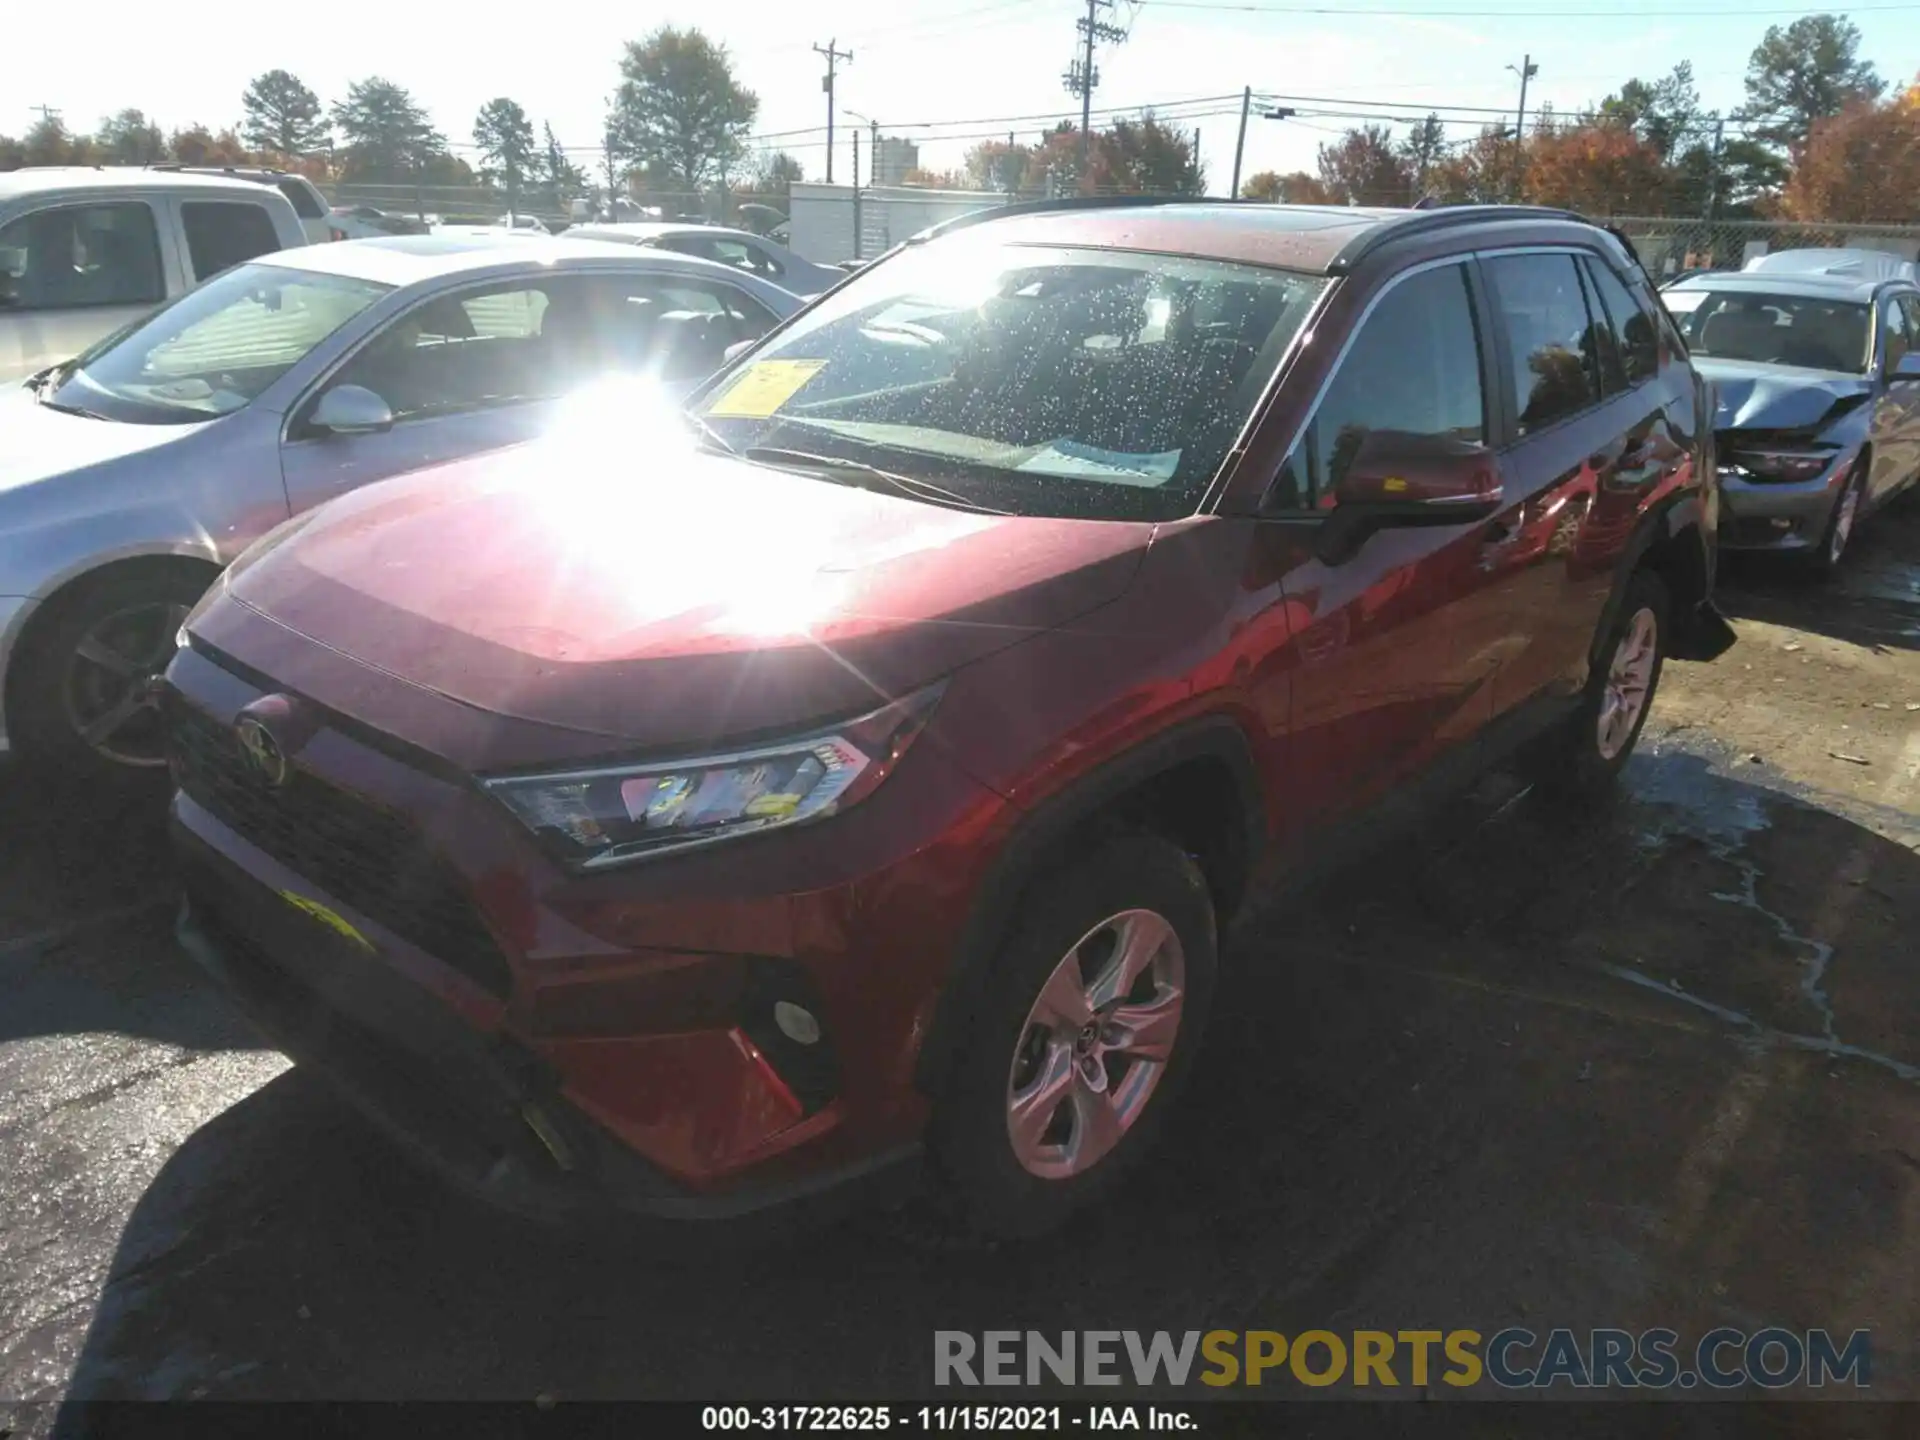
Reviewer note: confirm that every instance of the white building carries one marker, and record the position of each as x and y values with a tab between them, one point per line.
830	223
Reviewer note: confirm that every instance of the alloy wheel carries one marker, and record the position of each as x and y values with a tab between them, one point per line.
1629	682
1843	519
1096	1044
110	682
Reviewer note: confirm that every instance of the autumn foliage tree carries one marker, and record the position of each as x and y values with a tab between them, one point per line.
1363	167
1860	165
1597	167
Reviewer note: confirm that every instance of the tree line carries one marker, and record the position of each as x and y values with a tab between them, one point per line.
1818	138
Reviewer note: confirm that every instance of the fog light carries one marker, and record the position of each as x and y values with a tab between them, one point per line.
1782	524
796	1023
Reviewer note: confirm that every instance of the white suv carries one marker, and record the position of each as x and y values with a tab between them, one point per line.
84	251
305	197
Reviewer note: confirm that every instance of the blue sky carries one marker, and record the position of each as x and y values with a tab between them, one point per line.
970	62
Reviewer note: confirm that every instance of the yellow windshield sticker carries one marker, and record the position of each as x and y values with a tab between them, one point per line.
763	387
327	918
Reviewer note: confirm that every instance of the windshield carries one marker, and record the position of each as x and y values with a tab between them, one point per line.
215	349
1037	381
1805	331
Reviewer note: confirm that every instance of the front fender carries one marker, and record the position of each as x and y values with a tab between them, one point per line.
40	560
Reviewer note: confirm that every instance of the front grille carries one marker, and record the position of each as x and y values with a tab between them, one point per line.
364	855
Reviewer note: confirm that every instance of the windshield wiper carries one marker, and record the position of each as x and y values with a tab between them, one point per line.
907	485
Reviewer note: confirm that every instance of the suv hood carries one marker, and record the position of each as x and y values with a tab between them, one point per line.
668	602
1748	396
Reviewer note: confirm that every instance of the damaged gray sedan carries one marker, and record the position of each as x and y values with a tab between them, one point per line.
1818	401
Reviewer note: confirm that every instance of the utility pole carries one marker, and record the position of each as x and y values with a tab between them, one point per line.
1083	75
1713	166
834	57
1240	145
606	154
1526	70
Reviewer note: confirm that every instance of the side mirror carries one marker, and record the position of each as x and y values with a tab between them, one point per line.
1908	366
1396	480
351	410
736	350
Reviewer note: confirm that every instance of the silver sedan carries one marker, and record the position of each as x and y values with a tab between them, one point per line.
130	475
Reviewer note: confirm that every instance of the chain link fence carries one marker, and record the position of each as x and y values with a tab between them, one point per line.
1669	246
832	223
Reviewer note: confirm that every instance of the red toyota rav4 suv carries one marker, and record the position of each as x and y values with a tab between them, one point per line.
701	818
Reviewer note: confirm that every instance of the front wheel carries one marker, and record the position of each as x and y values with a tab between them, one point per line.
1089	1026
1581	760
1841	524
79	689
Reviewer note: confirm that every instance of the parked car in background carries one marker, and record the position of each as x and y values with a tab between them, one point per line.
726	819
1855	264
85	251
305	197
741	249
1818	419
528	224
129	476
368	222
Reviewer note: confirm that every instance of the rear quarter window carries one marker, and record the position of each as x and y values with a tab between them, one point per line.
306	200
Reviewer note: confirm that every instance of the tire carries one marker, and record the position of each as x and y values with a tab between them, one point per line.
1137	886
1842	525
53	689
1581	760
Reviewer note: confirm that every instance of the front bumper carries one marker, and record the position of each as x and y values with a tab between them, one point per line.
637	1012
481	1110
1787	516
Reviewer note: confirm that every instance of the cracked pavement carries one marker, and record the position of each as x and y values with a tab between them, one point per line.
1658	1067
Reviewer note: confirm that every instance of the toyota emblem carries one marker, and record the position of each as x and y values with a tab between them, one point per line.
262	751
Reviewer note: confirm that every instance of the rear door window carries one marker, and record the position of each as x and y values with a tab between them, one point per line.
1553	351
678	329
223	233
1630	321
1414	368
72	257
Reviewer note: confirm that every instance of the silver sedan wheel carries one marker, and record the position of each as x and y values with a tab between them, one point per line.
109	689
1843	519
1629	679
1095	1044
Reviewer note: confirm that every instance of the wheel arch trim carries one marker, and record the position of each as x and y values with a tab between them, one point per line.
1215	737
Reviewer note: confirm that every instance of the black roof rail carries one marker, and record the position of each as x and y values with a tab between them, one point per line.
1444	217
1063	203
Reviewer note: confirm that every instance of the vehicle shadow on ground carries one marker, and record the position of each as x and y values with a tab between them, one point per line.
87	901
1874	601
1427	1100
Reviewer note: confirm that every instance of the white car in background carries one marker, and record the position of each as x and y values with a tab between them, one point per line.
741	249
84	251
131	475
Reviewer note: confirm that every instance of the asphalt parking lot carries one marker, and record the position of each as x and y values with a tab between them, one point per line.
1657	1068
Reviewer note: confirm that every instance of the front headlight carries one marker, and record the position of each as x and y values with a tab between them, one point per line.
613	814
1782	465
